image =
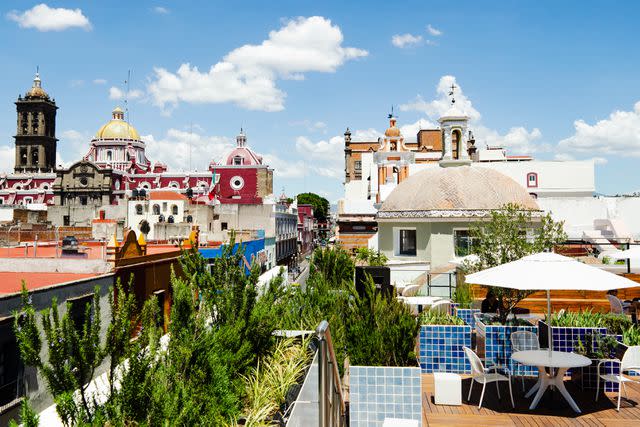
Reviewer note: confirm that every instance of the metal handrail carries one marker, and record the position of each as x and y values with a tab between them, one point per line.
326	387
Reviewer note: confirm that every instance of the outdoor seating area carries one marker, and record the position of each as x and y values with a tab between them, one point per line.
551	411
561	366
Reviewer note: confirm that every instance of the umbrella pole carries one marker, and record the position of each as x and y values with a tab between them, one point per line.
549	329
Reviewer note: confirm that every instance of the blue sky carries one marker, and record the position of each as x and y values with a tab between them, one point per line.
558	80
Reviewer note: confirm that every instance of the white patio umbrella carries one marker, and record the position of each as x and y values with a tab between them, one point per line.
547	271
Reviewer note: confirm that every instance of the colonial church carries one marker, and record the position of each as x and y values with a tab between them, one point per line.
114	165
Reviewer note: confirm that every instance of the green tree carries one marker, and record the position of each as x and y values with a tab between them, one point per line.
320	205
510	234
370	257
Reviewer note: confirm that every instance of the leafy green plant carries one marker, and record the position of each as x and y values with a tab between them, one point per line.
596	346
436	318
268	383
462	294
370	257
503	238
631	335
28	417
606	260
380	331
615	323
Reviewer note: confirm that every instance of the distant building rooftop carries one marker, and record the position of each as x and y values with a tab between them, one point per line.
11	282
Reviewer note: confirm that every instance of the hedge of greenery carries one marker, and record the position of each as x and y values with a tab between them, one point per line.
435	318
616	324
222	363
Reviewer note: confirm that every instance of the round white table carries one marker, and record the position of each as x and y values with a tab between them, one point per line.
559	360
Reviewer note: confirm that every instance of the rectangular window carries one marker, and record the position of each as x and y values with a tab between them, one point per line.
164	206
78	310
407	242
223	226
65	220
462	242
83	200
358	165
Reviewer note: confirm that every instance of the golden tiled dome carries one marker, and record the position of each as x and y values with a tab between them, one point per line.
118	128
36	90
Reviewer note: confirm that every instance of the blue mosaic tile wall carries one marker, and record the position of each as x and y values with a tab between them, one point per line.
565	339
441	348
587	377
379	392
498	349
466	314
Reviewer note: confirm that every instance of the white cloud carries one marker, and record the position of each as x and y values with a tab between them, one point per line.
433	31
173	149
161	10
405	40
518	139
117	94
325	157
77	83
284	169
7	158
99	81
370	134
44	18
247	76
619	134
311	126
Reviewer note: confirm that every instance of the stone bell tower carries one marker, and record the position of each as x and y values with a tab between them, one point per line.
35	137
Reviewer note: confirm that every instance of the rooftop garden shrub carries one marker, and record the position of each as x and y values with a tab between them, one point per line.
462	294
510	234
366	256
494	320
596	346
435	318
631	335
615	323
268	383
380	331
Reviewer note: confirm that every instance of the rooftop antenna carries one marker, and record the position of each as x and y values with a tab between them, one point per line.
451	93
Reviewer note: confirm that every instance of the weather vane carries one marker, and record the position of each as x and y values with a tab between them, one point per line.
453	88
391	114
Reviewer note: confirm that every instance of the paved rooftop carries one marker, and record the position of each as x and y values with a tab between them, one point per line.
10	282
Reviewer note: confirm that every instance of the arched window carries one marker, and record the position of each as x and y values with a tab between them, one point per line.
456	138
532	180
170	219
161	218
237	160
189	218
156	209
138	209
34	157
174	209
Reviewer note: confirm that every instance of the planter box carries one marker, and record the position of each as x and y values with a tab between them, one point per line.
587	377
565	338
441	348
379	392
497	346
466	314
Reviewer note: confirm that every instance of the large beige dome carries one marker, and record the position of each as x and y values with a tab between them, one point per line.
462	188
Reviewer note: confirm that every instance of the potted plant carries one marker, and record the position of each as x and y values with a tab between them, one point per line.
462	301
596	347
442	337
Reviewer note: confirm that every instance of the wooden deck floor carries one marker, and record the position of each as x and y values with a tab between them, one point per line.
552	410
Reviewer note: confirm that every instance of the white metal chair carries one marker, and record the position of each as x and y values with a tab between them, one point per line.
443	307
630	362
616	304
484	375
410	290
522	341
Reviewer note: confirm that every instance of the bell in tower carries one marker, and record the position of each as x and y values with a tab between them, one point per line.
35	137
